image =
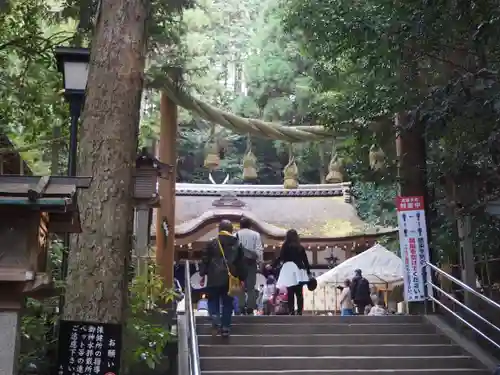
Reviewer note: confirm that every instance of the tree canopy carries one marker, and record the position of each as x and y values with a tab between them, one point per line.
351	66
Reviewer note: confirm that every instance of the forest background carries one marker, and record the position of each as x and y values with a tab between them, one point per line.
348	66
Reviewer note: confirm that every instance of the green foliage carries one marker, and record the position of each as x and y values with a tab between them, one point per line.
146	334
30	103
39	320
376	203
439	62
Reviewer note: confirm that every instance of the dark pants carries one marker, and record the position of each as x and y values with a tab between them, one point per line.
361	306
295	291
268	308
217	297
250	299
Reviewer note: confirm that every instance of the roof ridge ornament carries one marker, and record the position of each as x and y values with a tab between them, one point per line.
211	179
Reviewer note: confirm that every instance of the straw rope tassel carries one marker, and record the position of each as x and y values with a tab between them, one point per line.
335	168
376	158
212	158
291	172
249	163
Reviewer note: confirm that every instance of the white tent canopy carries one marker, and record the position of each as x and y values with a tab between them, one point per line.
379	266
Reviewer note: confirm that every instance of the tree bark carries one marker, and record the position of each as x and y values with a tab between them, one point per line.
97	268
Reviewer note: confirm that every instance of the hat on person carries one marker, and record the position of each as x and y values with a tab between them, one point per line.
312	284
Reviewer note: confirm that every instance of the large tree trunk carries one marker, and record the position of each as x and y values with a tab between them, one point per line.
97	270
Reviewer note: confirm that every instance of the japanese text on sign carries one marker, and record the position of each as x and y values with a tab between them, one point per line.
410	203
413	245
89	348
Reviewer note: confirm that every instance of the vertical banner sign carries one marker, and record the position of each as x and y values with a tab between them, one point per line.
414	246
89	348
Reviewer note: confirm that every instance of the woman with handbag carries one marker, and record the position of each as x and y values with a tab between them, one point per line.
295	271
223	266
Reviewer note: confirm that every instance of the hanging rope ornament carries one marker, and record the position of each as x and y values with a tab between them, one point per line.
212	158
377	158
249	163
335	169
291	172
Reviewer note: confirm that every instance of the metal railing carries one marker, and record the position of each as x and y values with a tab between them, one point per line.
192	338
432	268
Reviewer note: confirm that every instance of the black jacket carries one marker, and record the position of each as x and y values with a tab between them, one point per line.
360	290
213	265
293	253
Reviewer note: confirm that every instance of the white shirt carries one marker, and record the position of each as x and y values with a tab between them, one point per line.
345	299
377	311
252	241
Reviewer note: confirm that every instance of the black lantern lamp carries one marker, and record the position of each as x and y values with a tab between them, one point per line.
147	171
73	63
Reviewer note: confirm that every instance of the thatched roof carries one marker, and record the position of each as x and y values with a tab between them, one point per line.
315	211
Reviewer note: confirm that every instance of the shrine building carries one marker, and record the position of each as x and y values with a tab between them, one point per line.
324	216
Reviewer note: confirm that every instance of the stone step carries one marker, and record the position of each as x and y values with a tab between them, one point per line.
258	328
430	350
334	363
461	371
325	339
316	319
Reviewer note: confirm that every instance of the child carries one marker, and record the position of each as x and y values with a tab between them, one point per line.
378	309
269	295
260	303
281	302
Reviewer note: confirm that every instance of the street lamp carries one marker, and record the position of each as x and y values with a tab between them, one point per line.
73	63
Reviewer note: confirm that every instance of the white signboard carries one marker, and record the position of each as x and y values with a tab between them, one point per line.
414	246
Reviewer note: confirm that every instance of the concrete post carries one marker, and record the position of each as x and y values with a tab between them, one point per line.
10	320
142	236
182	341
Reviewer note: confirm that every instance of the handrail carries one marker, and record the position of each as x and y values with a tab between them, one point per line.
193	354
466	308
463	285
435	300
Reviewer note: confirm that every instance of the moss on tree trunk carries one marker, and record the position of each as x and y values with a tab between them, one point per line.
97	269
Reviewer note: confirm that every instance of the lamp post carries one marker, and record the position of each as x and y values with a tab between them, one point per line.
73	63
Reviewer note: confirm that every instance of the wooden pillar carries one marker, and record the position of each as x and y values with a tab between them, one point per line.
167	152
466	255
142	236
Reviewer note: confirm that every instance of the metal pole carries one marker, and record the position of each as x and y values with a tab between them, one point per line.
75	109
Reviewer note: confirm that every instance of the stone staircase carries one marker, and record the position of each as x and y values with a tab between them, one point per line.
332	345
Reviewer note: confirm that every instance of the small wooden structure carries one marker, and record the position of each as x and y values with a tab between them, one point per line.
148	170
30	208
